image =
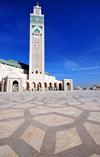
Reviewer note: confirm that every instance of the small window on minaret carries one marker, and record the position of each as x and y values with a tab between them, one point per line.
32	72
40	72
36	72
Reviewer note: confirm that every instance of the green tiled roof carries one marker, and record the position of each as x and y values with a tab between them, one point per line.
18	64
15	63
48	74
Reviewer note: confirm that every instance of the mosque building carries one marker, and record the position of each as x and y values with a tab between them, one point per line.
16	76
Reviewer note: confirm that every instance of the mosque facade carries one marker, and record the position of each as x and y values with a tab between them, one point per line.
17	76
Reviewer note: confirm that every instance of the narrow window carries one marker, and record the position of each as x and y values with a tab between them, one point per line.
36	72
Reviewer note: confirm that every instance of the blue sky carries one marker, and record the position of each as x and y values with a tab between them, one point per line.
72	37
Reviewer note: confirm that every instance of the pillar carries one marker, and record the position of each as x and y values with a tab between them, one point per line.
21	85
47	86
52	86
57	86
42	86
8	87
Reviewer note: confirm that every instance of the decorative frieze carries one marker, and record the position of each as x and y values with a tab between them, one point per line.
38	19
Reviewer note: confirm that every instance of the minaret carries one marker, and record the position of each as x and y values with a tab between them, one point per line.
36	63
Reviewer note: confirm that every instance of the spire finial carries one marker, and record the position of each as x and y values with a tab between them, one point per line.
37	3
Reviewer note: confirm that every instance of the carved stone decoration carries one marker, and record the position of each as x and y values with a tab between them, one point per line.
36	56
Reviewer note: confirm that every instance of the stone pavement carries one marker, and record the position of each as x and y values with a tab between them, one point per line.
50	124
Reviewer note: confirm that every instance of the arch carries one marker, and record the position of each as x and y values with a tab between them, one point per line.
26	86
45	86
5	84
68	86
55	86
39	86
36	72
15	82
50	86
60	86
33	86
15	86
14	74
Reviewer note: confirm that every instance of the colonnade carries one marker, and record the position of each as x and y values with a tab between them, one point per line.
44	86
18	85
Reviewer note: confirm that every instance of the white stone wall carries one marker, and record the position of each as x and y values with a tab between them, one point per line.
49	78
67	87
6	70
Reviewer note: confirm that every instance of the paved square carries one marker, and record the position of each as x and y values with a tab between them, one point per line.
50	124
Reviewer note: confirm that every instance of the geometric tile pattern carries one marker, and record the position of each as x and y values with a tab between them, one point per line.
94	131
88	106
6	151
34	137
67	139
8	128
53	120
40	110
95	116
50	124
69	111
10	113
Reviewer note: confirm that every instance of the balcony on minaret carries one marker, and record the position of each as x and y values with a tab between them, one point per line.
37	10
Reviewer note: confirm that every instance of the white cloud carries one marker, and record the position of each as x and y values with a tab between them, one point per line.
87	68
93	50
91	73
70	64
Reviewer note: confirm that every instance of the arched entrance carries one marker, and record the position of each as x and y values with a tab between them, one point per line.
39	86
50	86
15	86
45	86
55	86
26	86
68	86
33	87
59	86
5	85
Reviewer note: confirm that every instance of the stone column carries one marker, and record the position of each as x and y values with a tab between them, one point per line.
42	86
20	85
36	87
7	85
47	86
71	85
29	87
